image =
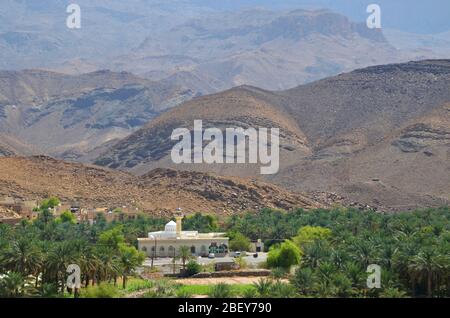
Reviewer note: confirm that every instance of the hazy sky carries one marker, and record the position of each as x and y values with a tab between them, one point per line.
416	16
420	16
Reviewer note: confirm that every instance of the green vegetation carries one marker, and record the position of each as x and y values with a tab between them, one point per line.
185	255
193	268
220	290
412	249
66	217
163	289
201	222
319	253
34	255
49	203
284	256
137	284
129	259
238	242
308	234
102	290
241	262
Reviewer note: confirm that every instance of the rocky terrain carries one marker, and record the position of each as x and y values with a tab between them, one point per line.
8	213
68	116
6	151
158	192
377	136
386	123
266	49
10	145
197	45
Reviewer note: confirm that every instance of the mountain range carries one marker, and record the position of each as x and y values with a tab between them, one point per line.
266	49
360	134
75	115
69	115
357	120
200	47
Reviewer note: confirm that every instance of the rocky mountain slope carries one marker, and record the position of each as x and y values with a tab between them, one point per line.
386	123
67	115
9	146
266	49
158	192
196	46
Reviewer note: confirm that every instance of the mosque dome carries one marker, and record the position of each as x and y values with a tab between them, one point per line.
170	227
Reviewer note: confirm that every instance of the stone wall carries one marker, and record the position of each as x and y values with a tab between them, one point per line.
243	273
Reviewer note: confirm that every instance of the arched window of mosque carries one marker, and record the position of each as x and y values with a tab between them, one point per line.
193	249
144	249
213	248
161	249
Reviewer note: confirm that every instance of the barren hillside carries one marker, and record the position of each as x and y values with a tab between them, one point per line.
67	116
158	192
388	123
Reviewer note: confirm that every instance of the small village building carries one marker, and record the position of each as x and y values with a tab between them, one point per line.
257	246
167	243
21	209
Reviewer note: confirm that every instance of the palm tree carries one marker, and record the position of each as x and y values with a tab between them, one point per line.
89	264
22	257
425	265
315	253
356	274
403	260
12	285
282	290
129	259
363	253
60	257
387	255
185	255
326	271
303	280
109	264
263	287
342	284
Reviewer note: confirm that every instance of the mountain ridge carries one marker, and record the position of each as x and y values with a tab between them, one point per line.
68	115
159	192
329	127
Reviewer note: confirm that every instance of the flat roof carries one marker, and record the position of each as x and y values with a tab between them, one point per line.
172	239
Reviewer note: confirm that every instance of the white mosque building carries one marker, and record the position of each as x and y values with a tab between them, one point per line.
167	243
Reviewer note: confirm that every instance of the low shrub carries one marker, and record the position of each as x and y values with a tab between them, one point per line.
220	290
102	290
193	268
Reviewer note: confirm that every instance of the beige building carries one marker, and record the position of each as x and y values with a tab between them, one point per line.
24	209
168	242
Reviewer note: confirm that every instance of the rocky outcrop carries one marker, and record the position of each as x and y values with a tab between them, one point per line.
159	192
420	136
68	116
